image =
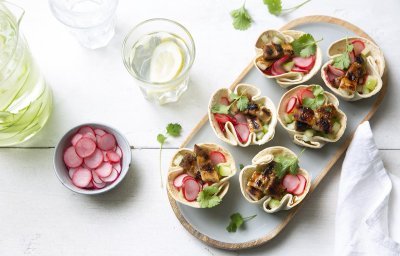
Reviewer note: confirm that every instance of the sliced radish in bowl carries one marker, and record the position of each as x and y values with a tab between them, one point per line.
71	158
112	177
85	147
107	142
82	177
104	170
95	159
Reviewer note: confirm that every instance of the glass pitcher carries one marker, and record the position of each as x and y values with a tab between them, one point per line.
25	98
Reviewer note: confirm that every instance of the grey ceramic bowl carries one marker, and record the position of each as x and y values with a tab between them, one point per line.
62	171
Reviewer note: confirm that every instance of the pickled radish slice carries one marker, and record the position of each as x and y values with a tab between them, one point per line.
71	158
241	118
94	160
277	68
358	47
90	185
82	178
304	63
302	185
85	147
112	177
291	182
107	142
243	132
191	189
178	181
71	172
96	177
217	157
117	167
224	101
104	170
306	93
301	70
76	138
86	129
99	132
99	185
113	157
291	104
90	136
119	152
335	71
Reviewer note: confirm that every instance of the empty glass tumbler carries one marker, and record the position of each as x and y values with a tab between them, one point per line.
91	21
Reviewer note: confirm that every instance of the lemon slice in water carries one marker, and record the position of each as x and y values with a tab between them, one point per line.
166	62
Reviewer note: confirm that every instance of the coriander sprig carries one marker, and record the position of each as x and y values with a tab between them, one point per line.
317	101
173	130
286	163
275	7
241	100
208	197
237	221
305	45
241	19
342	61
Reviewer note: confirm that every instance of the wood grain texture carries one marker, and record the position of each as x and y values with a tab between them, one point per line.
317	180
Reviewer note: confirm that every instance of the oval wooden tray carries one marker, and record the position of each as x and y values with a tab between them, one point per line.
208	225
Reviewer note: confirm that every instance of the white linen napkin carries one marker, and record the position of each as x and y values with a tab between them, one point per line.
361	226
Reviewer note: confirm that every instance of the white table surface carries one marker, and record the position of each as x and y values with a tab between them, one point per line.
38	216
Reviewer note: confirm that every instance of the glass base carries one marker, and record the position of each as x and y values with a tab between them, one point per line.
95	37
165	95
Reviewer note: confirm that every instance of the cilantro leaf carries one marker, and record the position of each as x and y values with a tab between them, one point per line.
161	138
233	96
286	164
220	109
242	103
342	61
208	198
241	166
304	46
174	129
241	19
274	6
317	101
237	221
240	100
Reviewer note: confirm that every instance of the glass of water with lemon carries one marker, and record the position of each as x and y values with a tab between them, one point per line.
159	53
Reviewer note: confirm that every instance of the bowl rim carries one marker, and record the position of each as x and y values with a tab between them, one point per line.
106	188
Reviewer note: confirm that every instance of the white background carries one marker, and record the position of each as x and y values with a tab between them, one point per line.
38	216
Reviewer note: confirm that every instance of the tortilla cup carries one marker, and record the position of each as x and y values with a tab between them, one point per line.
265	156
299	137
175	170
290	78
230	136
375	67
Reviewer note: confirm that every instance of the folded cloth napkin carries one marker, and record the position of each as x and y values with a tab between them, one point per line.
361	226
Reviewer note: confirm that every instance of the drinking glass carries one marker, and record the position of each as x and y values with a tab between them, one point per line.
92	22
159	54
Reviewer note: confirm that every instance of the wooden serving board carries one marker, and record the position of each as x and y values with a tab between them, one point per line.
208	225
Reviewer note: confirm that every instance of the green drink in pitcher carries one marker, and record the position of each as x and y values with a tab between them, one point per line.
25	98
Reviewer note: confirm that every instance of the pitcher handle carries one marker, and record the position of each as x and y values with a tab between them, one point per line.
14	9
